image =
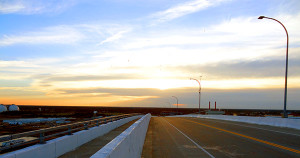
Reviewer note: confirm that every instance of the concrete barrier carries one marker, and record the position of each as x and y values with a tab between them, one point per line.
65	144
59	146
129	144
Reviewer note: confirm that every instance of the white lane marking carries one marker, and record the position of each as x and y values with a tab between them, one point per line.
225	121
191	140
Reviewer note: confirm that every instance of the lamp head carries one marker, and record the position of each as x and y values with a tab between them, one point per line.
261	17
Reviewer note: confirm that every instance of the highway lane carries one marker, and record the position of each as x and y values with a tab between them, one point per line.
163	140
184	137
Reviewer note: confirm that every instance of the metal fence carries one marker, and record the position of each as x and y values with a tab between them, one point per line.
42	135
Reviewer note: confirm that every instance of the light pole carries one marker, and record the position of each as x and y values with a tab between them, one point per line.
177	102
286	63
199	90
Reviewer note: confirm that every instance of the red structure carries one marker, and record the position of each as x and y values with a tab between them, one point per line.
215	105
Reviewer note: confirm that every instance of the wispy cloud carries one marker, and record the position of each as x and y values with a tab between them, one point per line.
184	9
34	6
115	91
239	30
243	69
68	34
26	69
91	77
56	35
114	37
6	7
6	64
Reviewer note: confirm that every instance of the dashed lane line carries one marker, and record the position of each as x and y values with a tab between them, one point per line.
191	140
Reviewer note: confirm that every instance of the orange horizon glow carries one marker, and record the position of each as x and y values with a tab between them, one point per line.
179	104
77	100
51	96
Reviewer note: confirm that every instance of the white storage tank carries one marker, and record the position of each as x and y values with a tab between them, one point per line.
3	108
13	107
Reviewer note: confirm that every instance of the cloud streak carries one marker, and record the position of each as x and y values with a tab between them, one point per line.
114	37
243	69
34	6
184	9
92	77
68	34
51	35
6	8
114	91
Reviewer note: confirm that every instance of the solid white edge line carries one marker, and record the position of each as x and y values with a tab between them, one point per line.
191	140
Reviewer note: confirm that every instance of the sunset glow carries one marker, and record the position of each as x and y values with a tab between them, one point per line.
56	53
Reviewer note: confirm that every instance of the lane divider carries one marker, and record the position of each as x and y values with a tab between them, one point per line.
245	136
191	140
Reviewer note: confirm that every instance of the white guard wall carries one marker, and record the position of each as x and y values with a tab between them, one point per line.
59	146
128	144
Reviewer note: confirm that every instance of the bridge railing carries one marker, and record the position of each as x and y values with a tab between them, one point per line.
42	135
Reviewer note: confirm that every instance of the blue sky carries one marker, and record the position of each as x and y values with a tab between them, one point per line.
107	53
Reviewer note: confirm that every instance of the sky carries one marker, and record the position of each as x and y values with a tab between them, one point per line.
137	53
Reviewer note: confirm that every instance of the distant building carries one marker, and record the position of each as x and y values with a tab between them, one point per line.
3	108
13	107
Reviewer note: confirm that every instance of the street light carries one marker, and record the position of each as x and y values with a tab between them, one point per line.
286	64
177	102
199	90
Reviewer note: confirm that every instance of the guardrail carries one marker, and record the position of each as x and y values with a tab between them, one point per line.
50	133
129	144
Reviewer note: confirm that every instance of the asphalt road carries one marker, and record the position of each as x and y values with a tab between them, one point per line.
195	137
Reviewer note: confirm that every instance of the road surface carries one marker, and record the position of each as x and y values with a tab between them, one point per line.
195	137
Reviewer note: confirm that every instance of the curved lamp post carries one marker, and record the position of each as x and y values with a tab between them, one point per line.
177	102
286	63
199	91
